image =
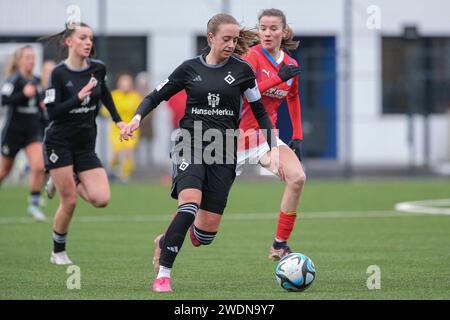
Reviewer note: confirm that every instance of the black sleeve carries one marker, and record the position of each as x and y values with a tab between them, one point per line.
163	92
108	102
55	107
249	79
12	94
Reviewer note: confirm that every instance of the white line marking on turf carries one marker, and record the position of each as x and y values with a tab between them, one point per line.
425	206
228	216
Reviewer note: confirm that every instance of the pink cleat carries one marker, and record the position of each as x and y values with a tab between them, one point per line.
194	239
162	285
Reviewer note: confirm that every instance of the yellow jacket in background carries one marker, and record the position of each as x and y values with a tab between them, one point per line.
126	104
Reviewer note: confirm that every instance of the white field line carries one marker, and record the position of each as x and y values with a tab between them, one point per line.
227	216
425	206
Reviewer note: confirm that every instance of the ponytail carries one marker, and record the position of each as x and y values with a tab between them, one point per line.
247	38
288	43
60	37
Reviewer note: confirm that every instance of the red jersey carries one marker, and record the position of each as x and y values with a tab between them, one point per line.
273	91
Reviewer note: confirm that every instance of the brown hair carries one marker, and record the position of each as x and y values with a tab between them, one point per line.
60	37
287	42
246	37
13	64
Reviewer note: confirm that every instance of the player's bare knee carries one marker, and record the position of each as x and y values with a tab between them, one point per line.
38	170
100	202
69	201
296	180
4	173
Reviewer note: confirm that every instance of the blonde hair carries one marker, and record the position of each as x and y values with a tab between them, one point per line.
246	37
287	42
13	64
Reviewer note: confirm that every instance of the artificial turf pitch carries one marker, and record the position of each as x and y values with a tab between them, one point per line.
343	226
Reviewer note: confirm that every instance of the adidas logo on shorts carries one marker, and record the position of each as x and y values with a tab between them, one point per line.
173	249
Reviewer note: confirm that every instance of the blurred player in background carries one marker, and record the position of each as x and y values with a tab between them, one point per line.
126	99
277	76
22	95
215	84
77	85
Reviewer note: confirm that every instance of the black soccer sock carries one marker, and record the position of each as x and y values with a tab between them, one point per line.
204	237
176	232
59	242
279	244
35	198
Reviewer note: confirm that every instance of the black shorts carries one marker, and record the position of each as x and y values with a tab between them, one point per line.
14	139
213	180
82	157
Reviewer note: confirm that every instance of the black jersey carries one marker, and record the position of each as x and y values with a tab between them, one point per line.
215	94
70	117
23	113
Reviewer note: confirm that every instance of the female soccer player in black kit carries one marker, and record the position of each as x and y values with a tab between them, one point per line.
215	84
23	127
77	85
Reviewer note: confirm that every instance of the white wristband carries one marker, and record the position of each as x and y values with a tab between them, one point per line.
137	117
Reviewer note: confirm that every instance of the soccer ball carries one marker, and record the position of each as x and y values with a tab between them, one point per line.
295	272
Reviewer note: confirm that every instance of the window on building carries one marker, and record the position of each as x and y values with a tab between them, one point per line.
416	75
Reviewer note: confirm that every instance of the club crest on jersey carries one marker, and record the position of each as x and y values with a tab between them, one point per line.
93	80
229	78
213	99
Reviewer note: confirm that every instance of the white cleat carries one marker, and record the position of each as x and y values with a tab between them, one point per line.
50	188
60	258
36	213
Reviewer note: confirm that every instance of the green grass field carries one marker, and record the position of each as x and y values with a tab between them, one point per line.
344	227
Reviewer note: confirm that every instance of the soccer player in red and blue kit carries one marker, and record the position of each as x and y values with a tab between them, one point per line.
277	77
